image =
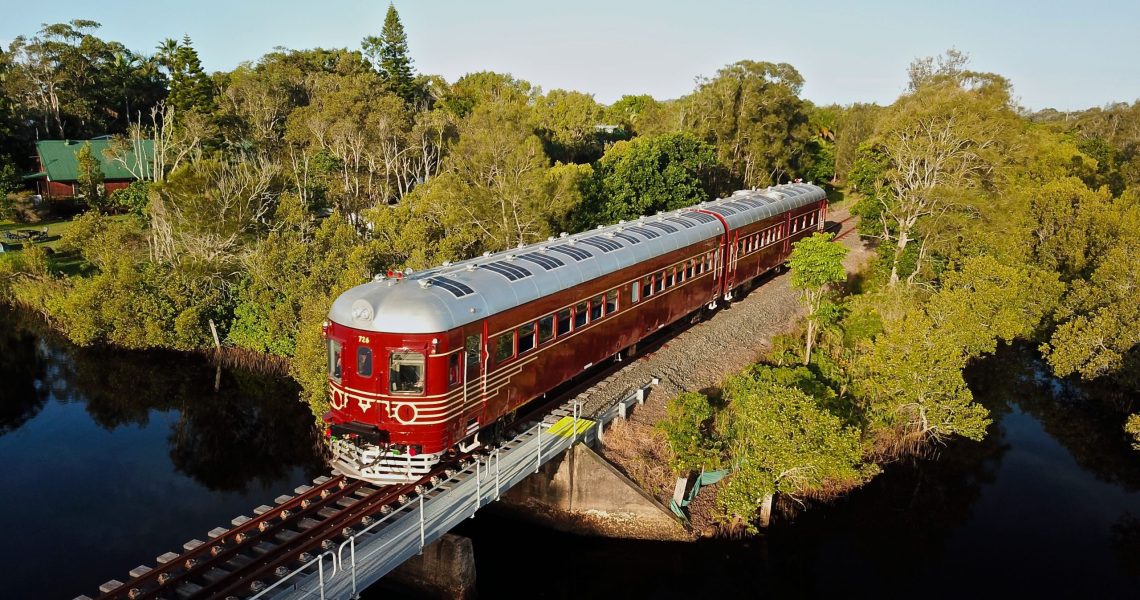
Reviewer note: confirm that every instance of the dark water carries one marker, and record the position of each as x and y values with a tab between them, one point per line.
108	459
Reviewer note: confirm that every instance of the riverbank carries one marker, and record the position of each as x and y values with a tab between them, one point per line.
700	358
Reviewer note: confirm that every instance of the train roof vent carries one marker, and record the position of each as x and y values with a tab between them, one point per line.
601	243
546	262
457	289
511	272
627	237
702	217
572	252
662	226
648	233
682	222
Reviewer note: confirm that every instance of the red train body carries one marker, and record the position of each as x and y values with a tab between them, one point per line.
422	364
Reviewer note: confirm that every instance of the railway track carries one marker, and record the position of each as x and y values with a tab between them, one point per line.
257	551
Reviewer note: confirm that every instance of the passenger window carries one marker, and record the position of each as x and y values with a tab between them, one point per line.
453	369
611	302
658	282
406	373
581	313
689	270
334	361
526	338
472	347
633	292
647	287
669	278
545	328
364	361
563	321
504	346
596	308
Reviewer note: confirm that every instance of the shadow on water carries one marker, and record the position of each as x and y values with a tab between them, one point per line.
111	458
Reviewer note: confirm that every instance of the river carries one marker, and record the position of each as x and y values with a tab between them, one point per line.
111	458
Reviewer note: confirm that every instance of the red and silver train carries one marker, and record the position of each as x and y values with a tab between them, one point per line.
422	364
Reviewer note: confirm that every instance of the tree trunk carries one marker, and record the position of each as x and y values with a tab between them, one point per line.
899	248
810	339
766	510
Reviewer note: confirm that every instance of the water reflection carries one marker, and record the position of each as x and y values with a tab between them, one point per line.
111	458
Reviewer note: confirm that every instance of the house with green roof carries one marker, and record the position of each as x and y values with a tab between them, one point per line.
58	174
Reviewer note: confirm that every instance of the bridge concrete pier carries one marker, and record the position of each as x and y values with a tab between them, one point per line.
581	492
446	569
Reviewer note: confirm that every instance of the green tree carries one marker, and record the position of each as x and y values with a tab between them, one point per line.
932	149
389	54
752	114
648	175
816	264
90	177
190	87
687	427
781	441
566	122
497	190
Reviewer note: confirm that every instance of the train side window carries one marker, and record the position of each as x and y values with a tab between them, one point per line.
406	372
658	283
334	361
563	322
453	369
526	338
581	314
596	308
473	353
504	346
545	329
364	361
634	294
669	278
611	302
647	287
689	269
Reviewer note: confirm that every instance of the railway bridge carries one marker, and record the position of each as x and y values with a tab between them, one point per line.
336	537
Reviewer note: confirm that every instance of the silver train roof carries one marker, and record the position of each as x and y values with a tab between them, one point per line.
446	297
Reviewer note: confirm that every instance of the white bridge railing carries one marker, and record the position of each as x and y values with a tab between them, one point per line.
387	542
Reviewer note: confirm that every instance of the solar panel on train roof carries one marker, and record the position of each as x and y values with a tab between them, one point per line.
722	210
600	243
683	222
702	217
575	253
754	203
737	205
542	260
511	272
627	237
457	288
646	233
662	226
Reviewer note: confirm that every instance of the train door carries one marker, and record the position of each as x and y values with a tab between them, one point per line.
474	370
731	260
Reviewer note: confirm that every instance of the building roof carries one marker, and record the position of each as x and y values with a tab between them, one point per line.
58	159
446	297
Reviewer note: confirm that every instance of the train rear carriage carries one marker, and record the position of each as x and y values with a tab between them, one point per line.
422	364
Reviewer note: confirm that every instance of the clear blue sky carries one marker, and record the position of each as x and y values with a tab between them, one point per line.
1064	54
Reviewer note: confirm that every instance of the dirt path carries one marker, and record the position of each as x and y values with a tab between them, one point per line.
701	357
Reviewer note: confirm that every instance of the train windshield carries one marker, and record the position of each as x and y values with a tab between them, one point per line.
334	360
406	372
